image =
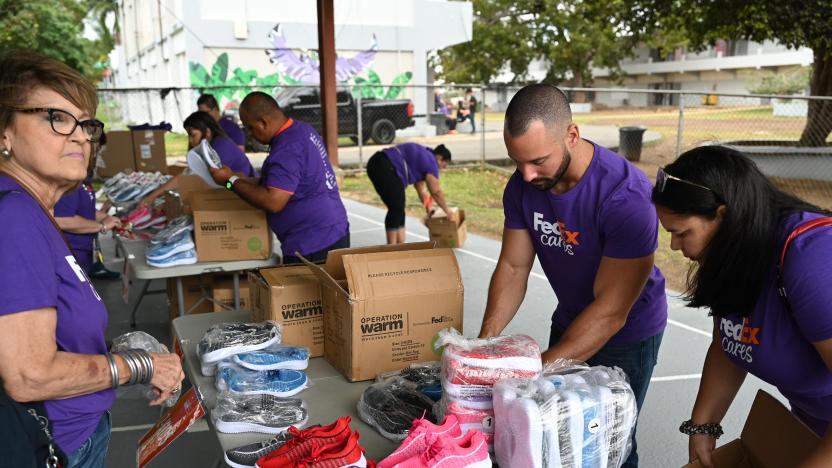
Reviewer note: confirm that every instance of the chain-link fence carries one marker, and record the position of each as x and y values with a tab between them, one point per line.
788	136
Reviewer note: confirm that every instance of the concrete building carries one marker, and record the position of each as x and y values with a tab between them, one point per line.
179	43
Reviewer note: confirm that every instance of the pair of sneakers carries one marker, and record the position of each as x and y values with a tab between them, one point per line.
335	445
179	250
442	446
257	413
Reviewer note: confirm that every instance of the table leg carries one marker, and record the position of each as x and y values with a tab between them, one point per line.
236	290
180	296
138	301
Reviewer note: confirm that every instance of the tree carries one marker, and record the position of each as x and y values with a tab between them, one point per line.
794	23
571	37
54	28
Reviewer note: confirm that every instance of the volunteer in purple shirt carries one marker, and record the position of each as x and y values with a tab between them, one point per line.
297	186
393	169
208	103
725	215
52	320
200	126
585	212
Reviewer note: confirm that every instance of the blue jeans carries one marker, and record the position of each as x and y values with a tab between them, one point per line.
636	360
93	452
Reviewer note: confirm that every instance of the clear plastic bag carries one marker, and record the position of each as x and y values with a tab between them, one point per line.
141	340
257	413
224	340
392	406
572	416
484	362
276	356
241	381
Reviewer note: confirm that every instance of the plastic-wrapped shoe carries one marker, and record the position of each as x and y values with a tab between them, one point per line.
227	339
278	356
257	413
187	257
178	244
280	383
392	406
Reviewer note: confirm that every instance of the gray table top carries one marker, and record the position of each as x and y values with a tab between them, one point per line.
329	396
134	253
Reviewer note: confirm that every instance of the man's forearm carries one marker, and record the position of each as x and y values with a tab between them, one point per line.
78	224
588	333
505	294
256	195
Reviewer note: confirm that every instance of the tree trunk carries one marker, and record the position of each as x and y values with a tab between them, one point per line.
819	119
579	96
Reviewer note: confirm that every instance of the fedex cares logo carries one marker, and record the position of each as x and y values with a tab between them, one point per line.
738	339
555	234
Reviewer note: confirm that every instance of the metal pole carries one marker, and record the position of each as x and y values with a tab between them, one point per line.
360	129
482	125
681	126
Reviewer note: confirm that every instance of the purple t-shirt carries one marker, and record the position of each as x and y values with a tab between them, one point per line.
81	202
37	271
608	213
232	157
413	162
315	217
234	132
776	345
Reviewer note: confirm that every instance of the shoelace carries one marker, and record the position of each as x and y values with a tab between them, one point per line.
435	448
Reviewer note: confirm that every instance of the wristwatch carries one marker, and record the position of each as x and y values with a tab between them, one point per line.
229	184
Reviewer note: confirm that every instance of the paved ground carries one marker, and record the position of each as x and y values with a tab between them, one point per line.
668	403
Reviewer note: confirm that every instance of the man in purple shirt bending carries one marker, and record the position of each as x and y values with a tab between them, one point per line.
586	213
208	103
297	186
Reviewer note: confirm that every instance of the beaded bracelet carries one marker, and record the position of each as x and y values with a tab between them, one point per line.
712	429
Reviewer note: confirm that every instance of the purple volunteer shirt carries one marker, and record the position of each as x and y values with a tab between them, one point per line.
232	157
315	217
413	162
81	202
608	213
234	132
38	271
776	345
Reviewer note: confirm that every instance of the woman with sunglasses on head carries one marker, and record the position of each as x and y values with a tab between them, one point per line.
52	320
726	216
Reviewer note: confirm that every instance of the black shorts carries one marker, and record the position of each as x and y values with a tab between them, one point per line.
389	187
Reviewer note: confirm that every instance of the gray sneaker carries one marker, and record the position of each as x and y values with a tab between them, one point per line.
247	455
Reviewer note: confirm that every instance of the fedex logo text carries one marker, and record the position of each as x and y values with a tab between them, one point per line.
555	234
738	339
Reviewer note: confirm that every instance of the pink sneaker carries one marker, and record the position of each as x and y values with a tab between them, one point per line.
471	451
421	435
473	419
137	216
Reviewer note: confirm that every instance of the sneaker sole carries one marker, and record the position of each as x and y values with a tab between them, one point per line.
241	427
286	365
235	465
184	261
177	250
215	356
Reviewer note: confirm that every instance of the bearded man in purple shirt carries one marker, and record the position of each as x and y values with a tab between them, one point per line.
297	186
585	212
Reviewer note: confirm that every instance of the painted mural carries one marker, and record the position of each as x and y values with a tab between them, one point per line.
294	68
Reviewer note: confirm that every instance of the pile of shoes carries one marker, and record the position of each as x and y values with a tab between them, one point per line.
471	367
392	406
447	445
145	217
173	245
335	445
572	416
125	188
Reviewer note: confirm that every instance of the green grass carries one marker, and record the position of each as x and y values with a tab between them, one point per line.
176	144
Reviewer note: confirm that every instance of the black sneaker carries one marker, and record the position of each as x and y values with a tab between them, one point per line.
227	339
247	455
390	407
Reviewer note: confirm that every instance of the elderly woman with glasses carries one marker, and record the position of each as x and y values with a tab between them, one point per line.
52	320
762	267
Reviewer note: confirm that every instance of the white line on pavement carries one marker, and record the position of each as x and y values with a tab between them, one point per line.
673	378
689	328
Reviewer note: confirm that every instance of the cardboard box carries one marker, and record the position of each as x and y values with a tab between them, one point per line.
384	305
446	233
771	438
177	168
149	150
192	287
117	155
187	187
227	228
223	292
291	296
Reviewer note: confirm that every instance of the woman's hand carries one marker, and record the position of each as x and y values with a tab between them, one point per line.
701	446
167	375
110	222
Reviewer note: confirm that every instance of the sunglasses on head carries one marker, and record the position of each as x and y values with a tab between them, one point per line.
662	177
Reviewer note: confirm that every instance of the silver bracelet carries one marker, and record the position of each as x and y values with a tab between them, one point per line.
114	377
134	366
148	365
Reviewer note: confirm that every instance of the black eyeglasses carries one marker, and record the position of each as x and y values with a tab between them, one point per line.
662	177
64	123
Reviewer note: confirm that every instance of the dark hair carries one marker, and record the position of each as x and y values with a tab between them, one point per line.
737	260
207	100
541	102
443	153
203	121
258	104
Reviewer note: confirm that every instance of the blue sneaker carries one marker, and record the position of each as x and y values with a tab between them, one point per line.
275	357
187	257
180	243
279	383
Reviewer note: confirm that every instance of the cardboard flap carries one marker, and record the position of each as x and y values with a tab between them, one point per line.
441	219
411	272
287	275
217	200
323	276
773	436
334	265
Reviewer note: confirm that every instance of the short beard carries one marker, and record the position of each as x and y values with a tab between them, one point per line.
547	183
